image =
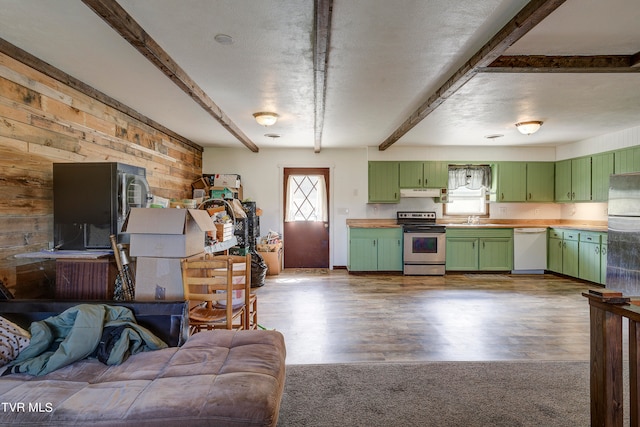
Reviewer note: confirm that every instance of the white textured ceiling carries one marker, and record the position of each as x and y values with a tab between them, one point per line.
385	58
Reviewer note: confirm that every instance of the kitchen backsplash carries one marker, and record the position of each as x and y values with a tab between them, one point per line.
565	211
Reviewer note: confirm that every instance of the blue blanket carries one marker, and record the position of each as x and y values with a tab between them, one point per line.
86	330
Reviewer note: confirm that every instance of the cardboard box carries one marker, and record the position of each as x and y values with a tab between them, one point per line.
159	279
226	180
168	233
273	261
224	232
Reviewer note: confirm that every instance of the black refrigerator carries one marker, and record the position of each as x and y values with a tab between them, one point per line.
91	201
623	256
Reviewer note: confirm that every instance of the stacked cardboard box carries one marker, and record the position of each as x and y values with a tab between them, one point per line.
160	239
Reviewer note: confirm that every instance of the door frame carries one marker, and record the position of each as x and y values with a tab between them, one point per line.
281	197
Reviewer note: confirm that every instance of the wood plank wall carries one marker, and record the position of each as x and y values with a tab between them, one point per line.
43	121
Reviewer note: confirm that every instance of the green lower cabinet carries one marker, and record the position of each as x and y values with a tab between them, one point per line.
562	251
554	255
462	253
581	254
593	257
375	249
495	254
479	249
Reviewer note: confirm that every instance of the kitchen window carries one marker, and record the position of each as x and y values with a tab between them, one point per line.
468	188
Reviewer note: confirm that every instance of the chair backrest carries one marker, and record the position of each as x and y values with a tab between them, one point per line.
202	278
236	260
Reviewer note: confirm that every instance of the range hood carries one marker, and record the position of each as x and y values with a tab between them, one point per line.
420	192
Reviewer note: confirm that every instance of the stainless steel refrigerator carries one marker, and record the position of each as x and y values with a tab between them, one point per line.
623	257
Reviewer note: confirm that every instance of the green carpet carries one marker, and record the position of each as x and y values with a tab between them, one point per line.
439	394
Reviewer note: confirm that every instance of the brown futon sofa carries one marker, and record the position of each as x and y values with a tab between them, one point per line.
215	378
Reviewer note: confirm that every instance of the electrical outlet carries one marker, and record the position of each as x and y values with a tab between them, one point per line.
160	292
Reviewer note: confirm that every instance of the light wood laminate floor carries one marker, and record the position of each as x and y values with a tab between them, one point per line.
336	317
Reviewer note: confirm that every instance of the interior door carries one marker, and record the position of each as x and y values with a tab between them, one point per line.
306	222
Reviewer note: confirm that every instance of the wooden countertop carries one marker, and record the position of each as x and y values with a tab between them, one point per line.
599	226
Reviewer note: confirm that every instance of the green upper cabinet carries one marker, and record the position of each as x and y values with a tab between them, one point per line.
540	181
512	182
563	181
384	183
601	168
581	179
573	180
627	160
525	182
424	174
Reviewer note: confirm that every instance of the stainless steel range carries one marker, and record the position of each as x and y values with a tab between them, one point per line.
424	243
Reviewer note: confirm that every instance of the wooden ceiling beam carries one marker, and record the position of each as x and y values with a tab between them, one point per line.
530	16
322	33
124	24
563	64
635	60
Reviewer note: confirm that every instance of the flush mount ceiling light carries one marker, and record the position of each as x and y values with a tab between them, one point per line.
266	119
527	128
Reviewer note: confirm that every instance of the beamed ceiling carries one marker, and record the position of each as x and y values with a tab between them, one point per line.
345	73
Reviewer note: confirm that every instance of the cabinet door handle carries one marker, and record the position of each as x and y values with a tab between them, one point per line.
419	181
374	243
483	245
573	196
569	195
529	196
604	251
473	245
597	250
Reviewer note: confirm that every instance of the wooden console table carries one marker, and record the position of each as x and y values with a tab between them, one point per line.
88	275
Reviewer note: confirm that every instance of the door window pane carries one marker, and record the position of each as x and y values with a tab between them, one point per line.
306	198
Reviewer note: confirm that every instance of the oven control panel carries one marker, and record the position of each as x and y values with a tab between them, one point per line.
417	215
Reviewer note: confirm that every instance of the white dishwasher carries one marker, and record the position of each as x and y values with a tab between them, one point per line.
529	250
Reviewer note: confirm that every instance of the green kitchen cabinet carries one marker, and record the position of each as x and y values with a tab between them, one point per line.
495	253
581	179
627	160
562	256
563	181
384	182
589	258
570	247
601	167
540	181
375	249
525	182
461	253
479	249
414	174
554	251
573	180
512	182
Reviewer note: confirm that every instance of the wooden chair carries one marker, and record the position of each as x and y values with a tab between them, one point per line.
208	286
250	318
